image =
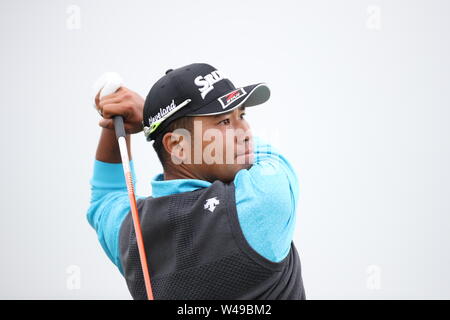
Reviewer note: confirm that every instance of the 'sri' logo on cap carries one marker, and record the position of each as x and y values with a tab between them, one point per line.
206	82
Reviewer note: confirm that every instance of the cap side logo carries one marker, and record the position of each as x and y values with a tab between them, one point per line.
162	115
229	98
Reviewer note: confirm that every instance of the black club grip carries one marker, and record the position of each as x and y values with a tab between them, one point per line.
119	127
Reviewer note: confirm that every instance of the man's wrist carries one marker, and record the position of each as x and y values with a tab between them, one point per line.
108	147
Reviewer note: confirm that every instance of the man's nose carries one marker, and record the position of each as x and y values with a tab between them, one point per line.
242	132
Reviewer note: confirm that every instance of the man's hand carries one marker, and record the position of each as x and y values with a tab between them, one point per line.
125	103
130	106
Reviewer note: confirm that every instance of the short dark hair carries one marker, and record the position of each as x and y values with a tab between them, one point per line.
181	123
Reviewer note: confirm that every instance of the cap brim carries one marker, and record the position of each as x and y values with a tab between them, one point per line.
255	94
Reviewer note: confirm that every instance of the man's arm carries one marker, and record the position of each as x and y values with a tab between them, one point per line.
109	203
108	148
266	201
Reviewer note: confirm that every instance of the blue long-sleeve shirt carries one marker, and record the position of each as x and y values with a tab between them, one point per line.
266	201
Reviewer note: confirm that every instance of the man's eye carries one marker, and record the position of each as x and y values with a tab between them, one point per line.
225	121
242	115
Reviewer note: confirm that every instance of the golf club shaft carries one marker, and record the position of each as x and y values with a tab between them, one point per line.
120	134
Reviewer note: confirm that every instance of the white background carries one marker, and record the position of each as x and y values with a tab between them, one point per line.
360	106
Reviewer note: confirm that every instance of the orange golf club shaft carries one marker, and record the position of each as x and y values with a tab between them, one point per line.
120	133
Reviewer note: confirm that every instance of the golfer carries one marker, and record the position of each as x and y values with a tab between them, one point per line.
220	221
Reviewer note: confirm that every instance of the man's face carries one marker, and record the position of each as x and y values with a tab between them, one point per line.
220	145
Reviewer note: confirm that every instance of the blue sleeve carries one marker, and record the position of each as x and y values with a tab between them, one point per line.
109	205
266	201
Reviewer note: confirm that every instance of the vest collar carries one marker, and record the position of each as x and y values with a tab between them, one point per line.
161	187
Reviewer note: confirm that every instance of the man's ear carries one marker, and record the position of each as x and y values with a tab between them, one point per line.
177	145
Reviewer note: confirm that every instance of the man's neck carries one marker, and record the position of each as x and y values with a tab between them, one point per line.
182	173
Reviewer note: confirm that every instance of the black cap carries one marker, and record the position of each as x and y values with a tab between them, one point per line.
197	89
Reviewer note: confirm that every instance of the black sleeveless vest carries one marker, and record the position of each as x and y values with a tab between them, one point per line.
196	251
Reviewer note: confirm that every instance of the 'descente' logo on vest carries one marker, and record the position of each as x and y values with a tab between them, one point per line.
211	204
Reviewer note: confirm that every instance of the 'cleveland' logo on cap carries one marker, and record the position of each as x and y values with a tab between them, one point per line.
206	82
229	98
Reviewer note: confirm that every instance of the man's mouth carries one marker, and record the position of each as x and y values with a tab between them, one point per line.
246	153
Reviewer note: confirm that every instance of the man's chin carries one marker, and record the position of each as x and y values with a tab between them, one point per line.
247	166
232	172
239	167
